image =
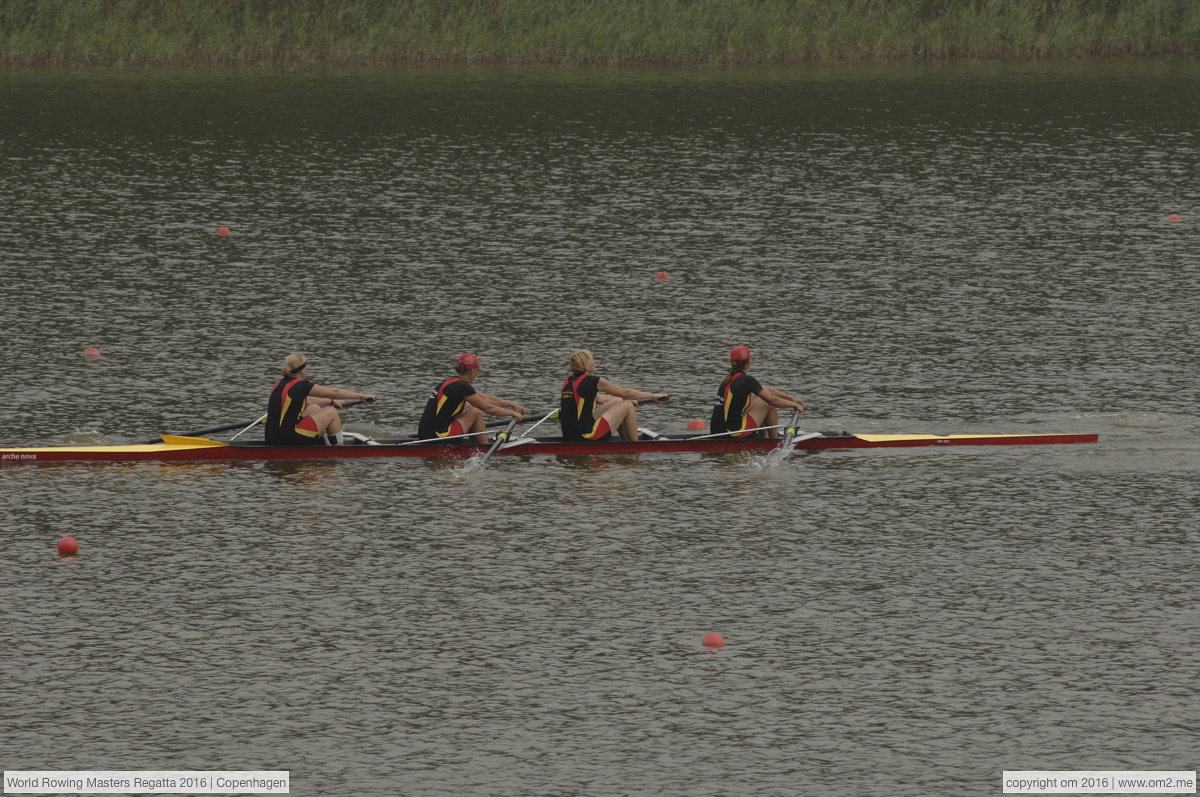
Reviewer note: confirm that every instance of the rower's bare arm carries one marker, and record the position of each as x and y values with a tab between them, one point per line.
512	405
628	392
337	394
781	400
487	403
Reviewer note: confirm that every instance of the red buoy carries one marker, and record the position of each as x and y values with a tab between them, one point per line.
697	424
1173	217
68	546
714	640
662	275
223	231
91	352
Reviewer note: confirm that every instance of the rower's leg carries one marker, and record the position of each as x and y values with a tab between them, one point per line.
326	418
622	418
764	415
472	420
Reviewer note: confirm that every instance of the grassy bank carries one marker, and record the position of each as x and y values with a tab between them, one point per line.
366	32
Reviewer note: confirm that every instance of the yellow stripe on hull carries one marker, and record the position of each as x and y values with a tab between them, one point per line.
170	443
891	438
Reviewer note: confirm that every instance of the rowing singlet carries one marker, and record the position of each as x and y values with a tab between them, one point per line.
576	408
732	404
446	402
285	427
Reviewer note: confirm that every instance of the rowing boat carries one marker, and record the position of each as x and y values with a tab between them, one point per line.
192	449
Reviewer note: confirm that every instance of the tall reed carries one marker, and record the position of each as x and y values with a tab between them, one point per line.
301	32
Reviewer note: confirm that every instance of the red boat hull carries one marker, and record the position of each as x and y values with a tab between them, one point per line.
207	450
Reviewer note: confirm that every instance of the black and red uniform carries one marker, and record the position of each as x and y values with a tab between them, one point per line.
731	409
446	403
575	411
285	427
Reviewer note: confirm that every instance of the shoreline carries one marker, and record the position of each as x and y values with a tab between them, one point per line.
373	33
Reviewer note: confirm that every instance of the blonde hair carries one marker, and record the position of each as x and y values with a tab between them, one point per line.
294	364
581	361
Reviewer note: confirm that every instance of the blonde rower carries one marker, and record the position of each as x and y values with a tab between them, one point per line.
301	413
581	404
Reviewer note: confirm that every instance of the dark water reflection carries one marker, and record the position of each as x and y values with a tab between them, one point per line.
949	249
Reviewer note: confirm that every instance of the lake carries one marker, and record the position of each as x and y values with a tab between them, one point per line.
950	249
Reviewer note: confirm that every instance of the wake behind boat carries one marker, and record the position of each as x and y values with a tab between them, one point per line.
175	448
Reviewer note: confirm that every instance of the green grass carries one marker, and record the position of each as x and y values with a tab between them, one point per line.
376	32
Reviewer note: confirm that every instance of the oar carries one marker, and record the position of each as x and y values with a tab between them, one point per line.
549	416
203	432
501	438
526	419
251	425
525	438
735	431
504	436
434	439
790	431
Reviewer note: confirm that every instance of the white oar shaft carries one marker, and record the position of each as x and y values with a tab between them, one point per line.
737	431
248	428
549	415
440	439
457	436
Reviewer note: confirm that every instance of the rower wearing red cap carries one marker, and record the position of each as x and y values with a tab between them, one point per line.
744	405
455	408
580	404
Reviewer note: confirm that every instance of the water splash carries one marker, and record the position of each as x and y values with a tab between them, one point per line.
472	464
771	459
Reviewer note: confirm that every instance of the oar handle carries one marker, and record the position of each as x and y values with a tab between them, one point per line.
662	400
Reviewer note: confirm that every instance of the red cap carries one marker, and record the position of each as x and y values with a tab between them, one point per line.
468	360
740	354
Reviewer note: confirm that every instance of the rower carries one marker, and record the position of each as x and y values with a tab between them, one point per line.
300	413
580	404
743	404
455	408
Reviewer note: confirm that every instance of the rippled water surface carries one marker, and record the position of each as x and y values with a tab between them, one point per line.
949	249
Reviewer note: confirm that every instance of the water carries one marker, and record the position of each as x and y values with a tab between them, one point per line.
973	248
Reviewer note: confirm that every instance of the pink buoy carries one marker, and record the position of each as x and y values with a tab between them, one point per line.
68	546
714	640
223	232
662	275
1173	217
697	424
91	352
